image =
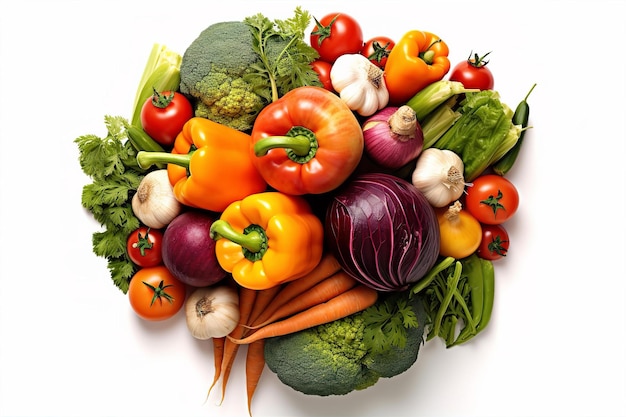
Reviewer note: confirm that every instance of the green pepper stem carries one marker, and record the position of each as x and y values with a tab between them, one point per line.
253	241
300	145
145	159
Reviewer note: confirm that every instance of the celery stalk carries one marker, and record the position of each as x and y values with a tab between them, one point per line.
438	122
435	94
161	73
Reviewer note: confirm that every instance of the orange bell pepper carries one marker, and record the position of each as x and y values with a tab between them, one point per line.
209	166
268	238
417	60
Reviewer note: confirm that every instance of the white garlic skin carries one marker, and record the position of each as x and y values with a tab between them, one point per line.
154	203
438	175
212	311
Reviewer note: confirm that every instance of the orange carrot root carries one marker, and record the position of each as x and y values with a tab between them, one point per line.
246	302
327	267
318	294
255	363
352	301
218	355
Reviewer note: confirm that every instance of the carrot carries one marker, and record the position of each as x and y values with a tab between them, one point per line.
218	353
327	267
262	300
352	301
255	363
246	301
318	294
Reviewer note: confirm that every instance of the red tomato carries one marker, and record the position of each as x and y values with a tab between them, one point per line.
336	34
495	242
155	294
163	116
492	199
323	70
377	50
144	247
473	73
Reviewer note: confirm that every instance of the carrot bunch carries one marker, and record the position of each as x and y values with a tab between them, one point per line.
325	294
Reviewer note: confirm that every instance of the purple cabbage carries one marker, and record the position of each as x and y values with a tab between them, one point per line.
383	231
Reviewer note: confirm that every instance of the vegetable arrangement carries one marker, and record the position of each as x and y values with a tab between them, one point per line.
331	201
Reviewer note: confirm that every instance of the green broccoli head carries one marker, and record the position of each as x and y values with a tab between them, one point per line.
325	360
212	73
336	358
227	100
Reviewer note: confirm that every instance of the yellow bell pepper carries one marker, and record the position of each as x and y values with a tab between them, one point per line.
267	239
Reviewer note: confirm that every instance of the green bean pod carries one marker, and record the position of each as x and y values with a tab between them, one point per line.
489	283
486	274
520	117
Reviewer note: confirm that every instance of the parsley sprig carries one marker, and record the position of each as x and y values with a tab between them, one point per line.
387	322
284	55
110	162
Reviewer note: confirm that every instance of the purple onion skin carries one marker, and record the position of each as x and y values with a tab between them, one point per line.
189	250
383	231
385	150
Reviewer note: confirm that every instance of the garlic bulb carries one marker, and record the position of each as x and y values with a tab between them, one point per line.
154	203
438	175
212	311
360	83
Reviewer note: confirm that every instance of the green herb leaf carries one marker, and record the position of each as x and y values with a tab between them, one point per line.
111	163
284	55
386	322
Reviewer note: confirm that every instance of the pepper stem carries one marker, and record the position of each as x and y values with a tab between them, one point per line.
299	143
146	159
253	239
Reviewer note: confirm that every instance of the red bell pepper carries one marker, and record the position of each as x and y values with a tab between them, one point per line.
306	142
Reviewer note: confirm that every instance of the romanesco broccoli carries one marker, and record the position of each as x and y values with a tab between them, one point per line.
340	357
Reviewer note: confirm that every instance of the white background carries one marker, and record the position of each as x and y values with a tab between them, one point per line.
70	344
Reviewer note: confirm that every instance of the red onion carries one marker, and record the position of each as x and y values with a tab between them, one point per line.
393	136
189	250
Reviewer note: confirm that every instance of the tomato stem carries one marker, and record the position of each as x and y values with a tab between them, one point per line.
159	292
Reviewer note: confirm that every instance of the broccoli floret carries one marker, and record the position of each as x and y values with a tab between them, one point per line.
336	358
228	101
212	74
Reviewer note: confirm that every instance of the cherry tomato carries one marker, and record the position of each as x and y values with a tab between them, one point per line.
336	34
492	199
155	293
163	116
323	70
377	50
473	73
144	247
495	242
